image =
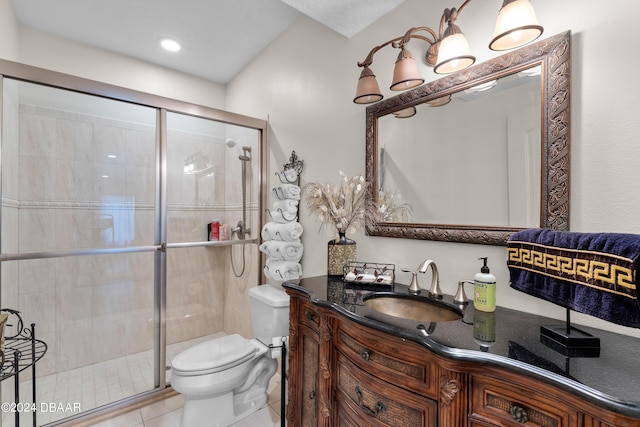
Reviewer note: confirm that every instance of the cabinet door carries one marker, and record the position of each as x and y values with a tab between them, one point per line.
390	358
310	352
612	420
372	402
302	401
503	403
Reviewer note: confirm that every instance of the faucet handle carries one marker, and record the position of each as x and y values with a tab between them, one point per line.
414	287
461	297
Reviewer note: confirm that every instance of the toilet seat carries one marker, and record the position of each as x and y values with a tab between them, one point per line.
214	356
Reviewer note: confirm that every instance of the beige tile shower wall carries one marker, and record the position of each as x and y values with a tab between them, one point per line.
237	317
237	313
195	292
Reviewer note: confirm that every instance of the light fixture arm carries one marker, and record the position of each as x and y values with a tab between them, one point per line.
400	42
449	16
369	59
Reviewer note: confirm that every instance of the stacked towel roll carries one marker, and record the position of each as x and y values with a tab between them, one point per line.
282	234
282	251
286	232
286	191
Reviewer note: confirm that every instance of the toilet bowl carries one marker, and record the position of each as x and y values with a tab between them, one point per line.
226	379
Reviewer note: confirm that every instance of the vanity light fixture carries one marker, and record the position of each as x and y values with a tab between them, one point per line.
448	49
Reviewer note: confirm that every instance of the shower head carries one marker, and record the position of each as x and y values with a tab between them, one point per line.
242	155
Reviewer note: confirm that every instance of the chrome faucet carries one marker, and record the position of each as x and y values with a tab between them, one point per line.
434	290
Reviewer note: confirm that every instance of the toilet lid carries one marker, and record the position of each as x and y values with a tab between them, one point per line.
214	355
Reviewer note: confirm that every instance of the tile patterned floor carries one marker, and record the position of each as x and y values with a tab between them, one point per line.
103	383
167	413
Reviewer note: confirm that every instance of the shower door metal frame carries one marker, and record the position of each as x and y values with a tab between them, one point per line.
162	105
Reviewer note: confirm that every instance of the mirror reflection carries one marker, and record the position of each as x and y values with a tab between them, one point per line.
474	160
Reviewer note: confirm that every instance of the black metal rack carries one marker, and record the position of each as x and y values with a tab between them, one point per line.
21	351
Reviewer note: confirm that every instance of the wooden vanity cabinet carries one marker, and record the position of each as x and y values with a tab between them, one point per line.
343	373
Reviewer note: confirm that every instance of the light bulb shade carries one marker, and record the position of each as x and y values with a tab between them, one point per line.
516	25
405	113
405	72
439	102
368	90
453	52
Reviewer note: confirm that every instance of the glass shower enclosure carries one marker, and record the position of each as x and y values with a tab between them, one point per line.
106	198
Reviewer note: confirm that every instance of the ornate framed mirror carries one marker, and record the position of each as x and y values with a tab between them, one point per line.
476	165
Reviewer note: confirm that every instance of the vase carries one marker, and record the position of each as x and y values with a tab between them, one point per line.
340	252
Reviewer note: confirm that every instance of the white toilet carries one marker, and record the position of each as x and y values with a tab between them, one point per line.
226	379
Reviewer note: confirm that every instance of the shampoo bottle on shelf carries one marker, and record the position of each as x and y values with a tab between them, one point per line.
484	289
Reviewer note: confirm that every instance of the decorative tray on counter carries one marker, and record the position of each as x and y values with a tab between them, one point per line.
369	272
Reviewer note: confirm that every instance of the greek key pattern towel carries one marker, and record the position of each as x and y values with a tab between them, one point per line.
592	273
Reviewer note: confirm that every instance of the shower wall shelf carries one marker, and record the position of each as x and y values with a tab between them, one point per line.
21	351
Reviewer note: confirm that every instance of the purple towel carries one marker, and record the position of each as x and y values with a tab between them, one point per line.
592	273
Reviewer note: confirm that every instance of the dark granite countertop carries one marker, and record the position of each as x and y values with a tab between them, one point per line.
506	338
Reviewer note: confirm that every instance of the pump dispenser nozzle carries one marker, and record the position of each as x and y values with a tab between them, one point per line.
485	267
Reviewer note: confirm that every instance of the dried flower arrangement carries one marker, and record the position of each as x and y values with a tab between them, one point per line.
387	210
340	206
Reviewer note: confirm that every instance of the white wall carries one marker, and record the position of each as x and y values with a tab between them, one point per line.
8	32
306	80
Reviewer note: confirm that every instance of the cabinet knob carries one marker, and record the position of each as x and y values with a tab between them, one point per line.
310	316
380	406
519	414
365	355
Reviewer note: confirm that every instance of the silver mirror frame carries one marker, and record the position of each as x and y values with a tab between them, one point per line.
554	55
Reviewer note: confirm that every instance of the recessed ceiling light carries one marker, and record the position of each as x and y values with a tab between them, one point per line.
170	45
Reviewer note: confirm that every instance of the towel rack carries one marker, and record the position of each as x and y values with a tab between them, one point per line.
295	217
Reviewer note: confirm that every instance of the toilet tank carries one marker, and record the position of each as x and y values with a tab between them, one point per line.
269	313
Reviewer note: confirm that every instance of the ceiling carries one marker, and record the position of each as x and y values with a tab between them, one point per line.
219	37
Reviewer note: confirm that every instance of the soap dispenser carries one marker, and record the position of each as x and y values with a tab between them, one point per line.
484	289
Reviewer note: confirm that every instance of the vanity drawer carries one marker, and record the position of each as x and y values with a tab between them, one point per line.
502	403
308	315
369	401
390	358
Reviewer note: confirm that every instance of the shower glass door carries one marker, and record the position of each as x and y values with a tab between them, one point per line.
78	243
204	185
